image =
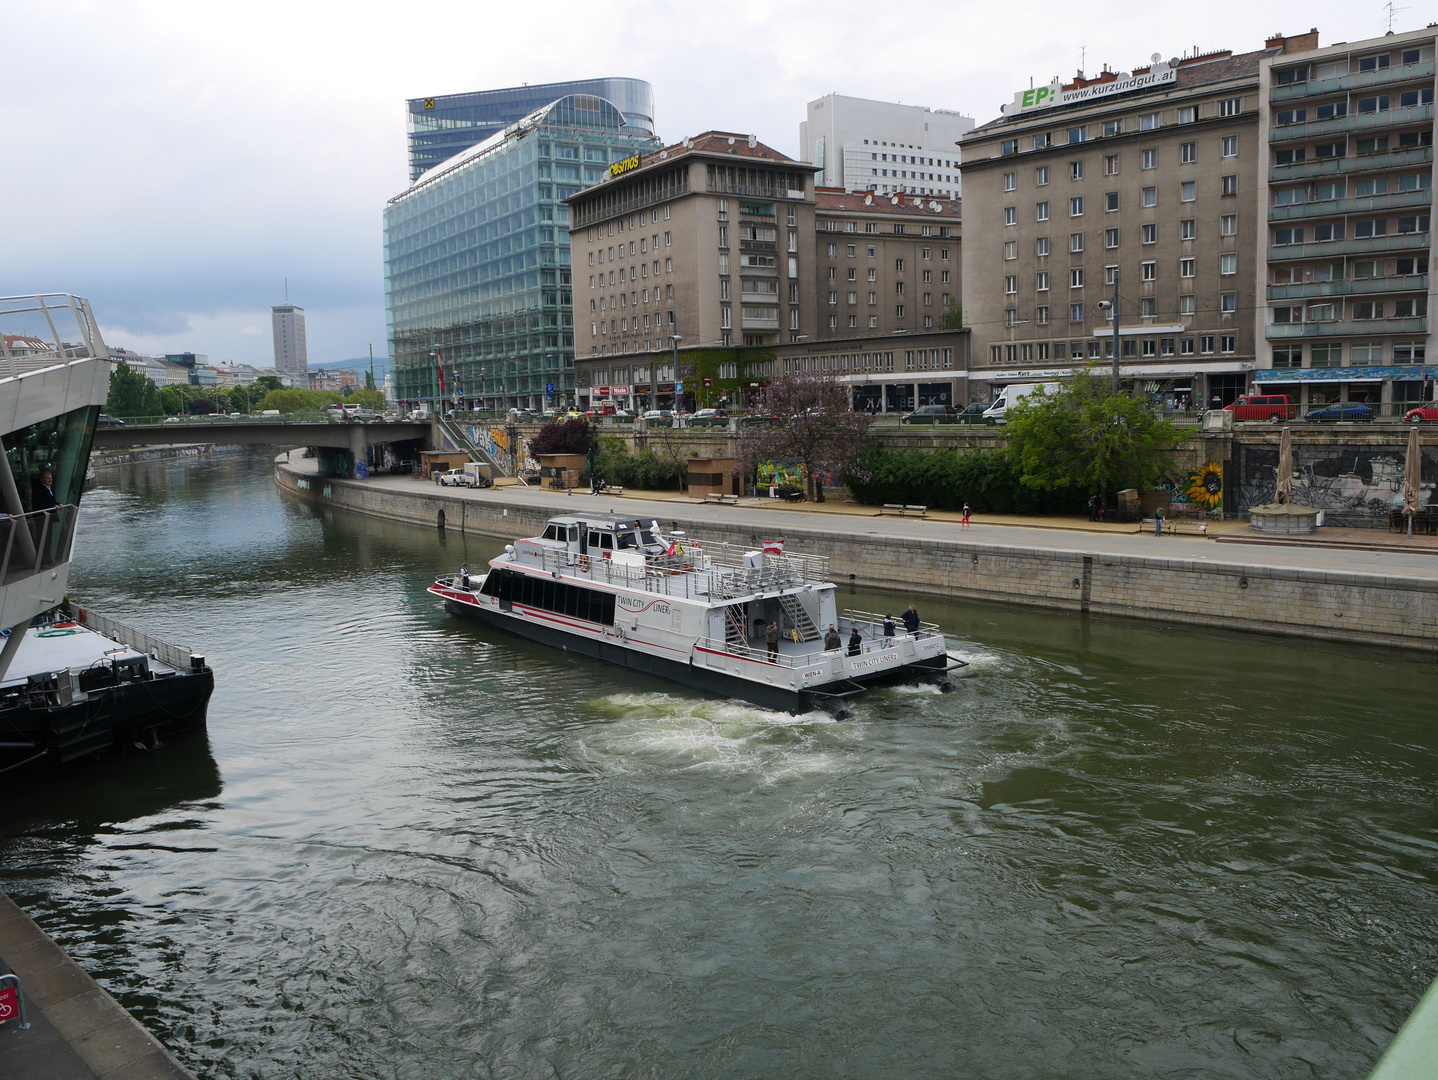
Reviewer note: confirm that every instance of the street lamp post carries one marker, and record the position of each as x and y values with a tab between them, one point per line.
1111	306
676	338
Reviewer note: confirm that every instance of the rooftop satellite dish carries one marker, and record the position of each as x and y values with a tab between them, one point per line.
1173	62
1156	57
753	141
663	154
731	140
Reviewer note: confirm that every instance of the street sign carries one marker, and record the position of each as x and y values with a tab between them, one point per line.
708	381
9	1003
679	386
549	388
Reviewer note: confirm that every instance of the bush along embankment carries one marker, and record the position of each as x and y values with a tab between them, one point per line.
988	480
646	471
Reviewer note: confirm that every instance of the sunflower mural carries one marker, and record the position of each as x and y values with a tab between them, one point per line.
1205	487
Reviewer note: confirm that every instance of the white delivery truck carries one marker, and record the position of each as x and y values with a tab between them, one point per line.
1012	395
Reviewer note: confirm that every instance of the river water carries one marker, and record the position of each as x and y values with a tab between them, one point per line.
410	847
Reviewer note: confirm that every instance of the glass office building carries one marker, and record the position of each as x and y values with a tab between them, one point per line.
440	127
476	255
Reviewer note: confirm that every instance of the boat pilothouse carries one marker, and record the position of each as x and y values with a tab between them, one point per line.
699	613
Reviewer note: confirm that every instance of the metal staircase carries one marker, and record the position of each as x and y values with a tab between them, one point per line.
734	635
799	618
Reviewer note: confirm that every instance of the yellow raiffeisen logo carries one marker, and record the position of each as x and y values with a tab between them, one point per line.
629	164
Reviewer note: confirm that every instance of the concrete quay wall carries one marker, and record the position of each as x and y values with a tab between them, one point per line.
1373	609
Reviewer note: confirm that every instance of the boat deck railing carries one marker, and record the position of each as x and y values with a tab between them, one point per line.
713	571
875	622
797	655
176	656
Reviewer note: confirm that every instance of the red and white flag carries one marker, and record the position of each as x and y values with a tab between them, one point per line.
773	547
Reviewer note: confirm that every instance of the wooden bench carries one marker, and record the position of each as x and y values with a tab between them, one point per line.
902	510
613	489
722	500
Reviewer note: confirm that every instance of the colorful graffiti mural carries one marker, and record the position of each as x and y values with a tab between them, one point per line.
494	442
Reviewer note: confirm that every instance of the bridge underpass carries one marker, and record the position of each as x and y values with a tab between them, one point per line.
339	443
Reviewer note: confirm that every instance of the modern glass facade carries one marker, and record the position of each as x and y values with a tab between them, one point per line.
477	271
440	127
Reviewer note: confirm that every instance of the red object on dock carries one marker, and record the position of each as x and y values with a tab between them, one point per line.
9	1003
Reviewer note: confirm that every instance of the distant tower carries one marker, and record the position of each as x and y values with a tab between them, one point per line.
291	357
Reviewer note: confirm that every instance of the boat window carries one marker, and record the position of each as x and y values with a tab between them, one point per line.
606	541
650	538
553	532
574	534
556	596
593	538
626	540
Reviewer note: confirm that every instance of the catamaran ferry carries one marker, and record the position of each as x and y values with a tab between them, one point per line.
698	613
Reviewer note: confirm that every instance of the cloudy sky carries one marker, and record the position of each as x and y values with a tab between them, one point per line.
175	162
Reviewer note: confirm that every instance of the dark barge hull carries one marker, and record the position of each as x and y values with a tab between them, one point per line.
144	711
718	683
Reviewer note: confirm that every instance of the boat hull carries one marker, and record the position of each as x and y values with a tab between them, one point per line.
719	683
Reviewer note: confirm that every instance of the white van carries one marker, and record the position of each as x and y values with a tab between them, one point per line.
1012	395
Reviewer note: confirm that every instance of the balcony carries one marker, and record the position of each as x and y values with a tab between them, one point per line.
1355	122
1388	159
1363	328
1328	249
1368	204
1410	283
1357	81
758	245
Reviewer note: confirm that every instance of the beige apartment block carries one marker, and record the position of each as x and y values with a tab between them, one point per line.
1345	253
702	245
1146	179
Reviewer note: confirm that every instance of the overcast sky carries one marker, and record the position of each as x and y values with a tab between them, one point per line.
174	162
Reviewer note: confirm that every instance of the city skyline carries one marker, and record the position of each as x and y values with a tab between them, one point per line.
287	159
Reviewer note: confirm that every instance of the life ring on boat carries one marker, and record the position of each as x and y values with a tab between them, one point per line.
584	563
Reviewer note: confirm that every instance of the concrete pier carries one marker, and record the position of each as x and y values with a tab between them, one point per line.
1387	598
77	1031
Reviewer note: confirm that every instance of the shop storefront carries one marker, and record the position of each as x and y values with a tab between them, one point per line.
1387	390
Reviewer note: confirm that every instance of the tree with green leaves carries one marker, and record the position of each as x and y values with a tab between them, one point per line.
1089	436
265	383
816	428
953	317
131	393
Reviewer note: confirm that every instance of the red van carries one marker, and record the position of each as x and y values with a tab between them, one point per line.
1271	407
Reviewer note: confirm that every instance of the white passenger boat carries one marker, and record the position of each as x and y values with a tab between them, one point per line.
697	613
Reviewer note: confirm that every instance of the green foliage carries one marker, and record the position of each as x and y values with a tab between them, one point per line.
1089	437
369	380
367	396
265	383
131	393
953	317
988	480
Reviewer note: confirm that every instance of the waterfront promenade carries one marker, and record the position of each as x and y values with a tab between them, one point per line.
1374	587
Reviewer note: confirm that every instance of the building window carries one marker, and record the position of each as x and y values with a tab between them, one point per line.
1230	107
1041	315
1076	206
1187	153
1228	225
1041	247
1148	159
1041	176
1228	303
1011	249
1185	304
1229	144
1110	163
1149	271
1228	263
1110	201
1187	191
1011	217
873	298
1041	281
1076	242
1042	211
899	311
1148	122
1078	134
1075	170
1230	185
1186	267
723	236
1150	196
1150	233
1110	238
1075	313
1076	278
668	237
1187	229
1188	114
1227	343
1011	181
1110	274
899	265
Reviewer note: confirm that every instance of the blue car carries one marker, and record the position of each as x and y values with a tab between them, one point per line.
1343	410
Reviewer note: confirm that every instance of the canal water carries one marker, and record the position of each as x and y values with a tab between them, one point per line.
408	847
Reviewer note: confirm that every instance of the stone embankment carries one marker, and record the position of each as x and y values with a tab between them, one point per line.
1199	584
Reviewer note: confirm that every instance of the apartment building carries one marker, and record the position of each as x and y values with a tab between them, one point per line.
685	259
1346	188
1142	180
864	145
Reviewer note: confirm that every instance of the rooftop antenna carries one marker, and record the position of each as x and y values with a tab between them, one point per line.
1392	13
1083	59
287	290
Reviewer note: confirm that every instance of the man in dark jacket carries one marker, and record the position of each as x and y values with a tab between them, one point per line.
854	641
42	494
832	642
771	639
911	620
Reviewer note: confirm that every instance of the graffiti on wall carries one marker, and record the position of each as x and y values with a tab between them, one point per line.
1201	489
1354	485
494	442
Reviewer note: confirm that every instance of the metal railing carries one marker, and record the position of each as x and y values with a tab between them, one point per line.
176	656
31	542
872	619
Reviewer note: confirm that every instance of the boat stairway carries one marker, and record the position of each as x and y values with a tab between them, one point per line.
734	636
799	618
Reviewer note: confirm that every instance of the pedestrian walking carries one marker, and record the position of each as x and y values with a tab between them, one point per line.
771	639
967	513
911	620
832	642
1093	507
855	641
888	630
1158	521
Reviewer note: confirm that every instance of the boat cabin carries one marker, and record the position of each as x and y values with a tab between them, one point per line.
602	536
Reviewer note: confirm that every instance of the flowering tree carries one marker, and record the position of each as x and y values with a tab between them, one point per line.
814	427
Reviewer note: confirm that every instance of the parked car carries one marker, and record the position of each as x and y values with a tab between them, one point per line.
659	418
758	419
1427	412
1274	408
1343	410
931	414
623	416
974	414
708	418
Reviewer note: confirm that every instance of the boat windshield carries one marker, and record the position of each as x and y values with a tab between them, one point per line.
650	538
624	540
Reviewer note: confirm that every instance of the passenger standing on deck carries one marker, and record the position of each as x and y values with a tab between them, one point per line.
911	620
854	641
771	639
888	630
464	576
832	641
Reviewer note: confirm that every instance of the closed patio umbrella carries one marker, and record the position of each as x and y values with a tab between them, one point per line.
1285	467
1412	477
